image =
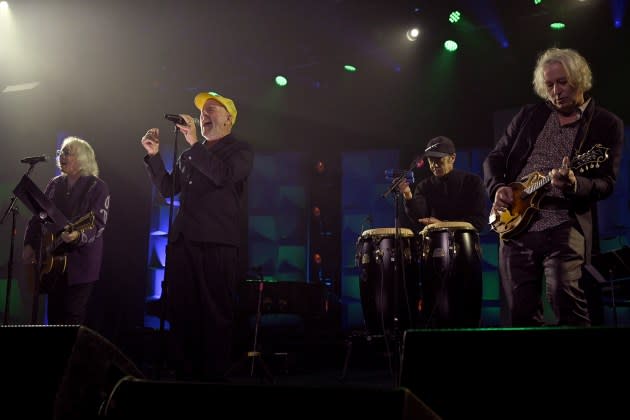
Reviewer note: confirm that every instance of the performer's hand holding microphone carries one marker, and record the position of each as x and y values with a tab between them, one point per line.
186	124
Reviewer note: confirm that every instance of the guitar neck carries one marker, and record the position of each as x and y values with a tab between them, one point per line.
537	185
512	221
85	222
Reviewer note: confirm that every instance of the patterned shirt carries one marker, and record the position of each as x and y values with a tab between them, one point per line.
553	143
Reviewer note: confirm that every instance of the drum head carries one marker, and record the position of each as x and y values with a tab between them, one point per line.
380	232
447	225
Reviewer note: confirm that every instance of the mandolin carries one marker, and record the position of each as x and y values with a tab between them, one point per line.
528	194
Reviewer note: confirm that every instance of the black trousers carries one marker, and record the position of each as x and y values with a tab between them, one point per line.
555	255
201	280
67	305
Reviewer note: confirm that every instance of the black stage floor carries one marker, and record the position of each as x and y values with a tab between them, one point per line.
551	372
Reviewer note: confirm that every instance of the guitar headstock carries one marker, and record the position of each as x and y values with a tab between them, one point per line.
590	159
83	223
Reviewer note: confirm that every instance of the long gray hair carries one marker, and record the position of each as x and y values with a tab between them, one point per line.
576	66
84	154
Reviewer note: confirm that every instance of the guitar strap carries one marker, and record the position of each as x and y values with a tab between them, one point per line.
586	127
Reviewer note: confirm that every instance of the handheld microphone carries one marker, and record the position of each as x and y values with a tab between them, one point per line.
32	160
391	174
177	119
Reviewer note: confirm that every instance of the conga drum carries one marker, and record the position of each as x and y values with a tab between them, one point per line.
389	279
450	275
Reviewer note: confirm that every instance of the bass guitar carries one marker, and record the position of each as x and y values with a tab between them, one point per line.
528	194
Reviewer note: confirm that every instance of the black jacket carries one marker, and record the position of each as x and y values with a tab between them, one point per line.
211	181
456	196
599	126
89	194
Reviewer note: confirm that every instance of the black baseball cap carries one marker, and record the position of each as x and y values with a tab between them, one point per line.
439	147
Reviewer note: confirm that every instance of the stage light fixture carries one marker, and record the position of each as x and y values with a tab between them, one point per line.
455	16
20	87
281	81
5	11
349	68
450	45
557	26
413	34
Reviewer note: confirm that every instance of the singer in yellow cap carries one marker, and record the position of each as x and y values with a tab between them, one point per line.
202	256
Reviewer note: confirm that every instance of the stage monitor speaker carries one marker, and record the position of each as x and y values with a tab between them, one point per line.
139	398
540	372
58	372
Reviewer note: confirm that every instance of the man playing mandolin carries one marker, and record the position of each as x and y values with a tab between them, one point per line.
554	161
71	259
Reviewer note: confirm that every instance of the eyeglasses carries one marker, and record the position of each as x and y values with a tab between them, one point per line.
65	152
436	160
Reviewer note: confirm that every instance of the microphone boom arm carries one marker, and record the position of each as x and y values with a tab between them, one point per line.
402	176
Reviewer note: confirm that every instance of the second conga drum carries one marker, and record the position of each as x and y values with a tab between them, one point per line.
389	287
451	275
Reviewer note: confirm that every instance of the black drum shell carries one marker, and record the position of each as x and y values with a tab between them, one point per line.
451	277
389	291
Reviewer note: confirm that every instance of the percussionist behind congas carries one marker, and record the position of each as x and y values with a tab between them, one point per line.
447	195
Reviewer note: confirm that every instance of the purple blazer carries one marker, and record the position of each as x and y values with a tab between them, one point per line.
89	193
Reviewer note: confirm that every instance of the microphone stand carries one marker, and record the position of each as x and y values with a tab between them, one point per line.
255	354
164	294
397	260
400	177
12	208
623	268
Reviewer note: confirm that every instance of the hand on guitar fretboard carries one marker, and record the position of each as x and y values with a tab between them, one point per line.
516	204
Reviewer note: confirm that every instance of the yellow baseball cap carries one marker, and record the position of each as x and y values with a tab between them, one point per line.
201	98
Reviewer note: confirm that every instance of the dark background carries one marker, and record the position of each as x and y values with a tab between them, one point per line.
107	71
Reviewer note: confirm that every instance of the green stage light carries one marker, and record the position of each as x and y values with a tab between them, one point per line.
454	16
450	45
281	81
557	26
349	68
